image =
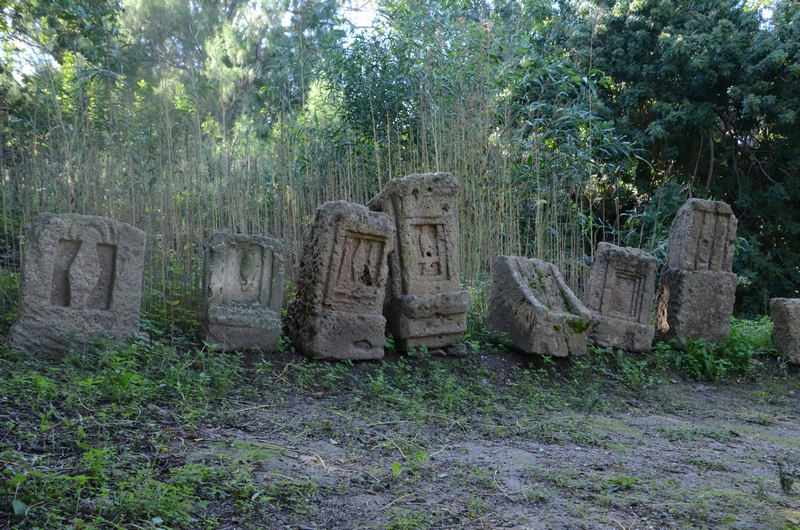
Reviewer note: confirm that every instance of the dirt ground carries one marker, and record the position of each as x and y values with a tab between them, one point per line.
679	454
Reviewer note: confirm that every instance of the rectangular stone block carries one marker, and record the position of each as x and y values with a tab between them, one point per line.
79	273
622	283
341	284
620	291
532	304
692	305
785	314
243	279
608	332
424	260
701	237
434	320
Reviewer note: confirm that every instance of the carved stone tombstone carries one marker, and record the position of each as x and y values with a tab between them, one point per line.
621	286
242	292
425	305
785	314
80	274
341	284
697	289
532	304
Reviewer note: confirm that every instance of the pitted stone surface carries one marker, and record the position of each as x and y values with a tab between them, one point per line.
785	314
701	237
693	305
243	280
532	304
620	292
697	290
341	284
82	274
425	305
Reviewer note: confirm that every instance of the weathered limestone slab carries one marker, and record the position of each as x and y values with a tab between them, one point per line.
693	305
697	289
785	314
701	237
79	273
341	284
621	288
425	305
243	280
532	304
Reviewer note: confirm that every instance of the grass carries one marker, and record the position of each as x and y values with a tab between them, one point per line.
99	438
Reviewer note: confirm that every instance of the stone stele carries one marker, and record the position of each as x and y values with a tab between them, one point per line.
621	286
697	289
243	280
425	305
701	237
785	314
341	284
81	279
532	304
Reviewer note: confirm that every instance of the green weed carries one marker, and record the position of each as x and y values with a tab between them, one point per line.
785	479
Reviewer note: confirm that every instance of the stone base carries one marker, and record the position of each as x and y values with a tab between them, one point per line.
785	314
693	305
608	332
434	320
40	334
237	329
532	330
340	335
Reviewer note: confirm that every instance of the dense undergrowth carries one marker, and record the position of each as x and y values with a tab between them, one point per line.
92	440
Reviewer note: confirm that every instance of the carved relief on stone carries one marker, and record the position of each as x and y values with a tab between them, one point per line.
354	278
80	273
425	305
701	237
620	290
242	291
341	284
697	289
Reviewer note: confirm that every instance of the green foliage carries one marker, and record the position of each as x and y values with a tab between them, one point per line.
785	479
706	87
9	298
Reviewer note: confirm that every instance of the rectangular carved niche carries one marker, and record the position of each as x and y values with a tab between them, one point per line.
627	297
74	259
356	275
103	290
242	275
61	293
430	249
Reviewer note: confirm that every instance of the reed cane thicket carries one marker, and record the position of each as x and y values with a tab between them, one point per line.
186	118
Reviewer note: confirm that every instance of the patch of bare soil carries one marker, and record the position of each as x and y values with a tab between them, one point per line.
373	450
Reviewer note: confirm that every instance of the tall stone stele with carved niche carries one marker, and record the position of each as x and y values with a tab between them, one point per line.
425	305
341	283
81	280
243	280
622	283
697	289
